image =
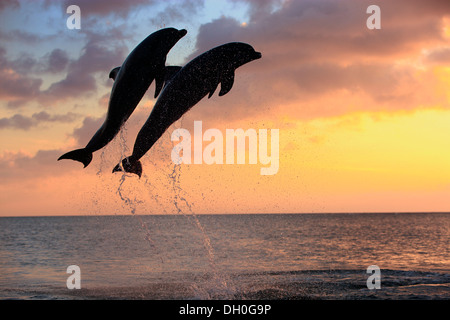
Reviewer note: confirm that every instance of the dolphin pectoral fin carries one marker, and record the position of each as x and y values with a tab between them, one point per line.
113	73
213	90
226	84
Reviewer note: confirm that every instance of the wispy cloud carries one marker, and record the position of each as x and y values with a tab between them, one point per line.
21	122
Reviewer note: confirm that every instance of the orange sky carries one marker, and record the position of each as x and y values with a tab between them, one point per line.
363	114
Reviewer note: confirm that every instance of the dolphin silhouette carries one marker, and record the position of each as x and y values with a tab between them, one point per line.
143	65
193	82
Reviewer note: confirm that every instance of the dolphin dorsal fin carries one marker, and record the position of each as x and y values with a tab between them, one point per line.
226	83
113	73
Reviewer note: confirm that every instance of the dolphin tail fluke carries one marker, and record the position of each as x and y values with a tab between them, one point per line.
129	166
81	155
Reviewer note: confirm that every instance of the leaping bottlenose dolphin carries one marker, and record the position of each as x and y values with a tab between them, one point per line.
143	65
193	82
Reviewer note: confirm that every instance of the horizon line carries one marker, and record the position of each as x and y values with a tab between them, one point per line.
216	214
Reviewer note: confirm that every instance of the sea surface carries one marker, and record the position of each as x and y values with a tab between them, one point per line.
236	256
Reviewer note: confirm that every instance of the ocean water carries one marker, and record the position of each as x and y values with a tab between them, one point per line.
254	256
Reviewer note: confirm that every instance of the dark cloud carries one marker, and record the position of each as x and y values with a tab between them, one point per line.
120	8
90	126
21	122
9	3
24	64
80	76
57	61
22	36
173	10
217	32
19	84
17	122
19	166
21	78
15	87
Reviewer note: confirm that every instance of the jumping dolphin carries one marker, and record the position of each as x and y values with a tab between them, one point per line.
193	82
143	65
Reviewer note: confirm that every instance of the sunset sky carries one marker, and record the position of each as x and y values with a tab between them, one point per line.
363	115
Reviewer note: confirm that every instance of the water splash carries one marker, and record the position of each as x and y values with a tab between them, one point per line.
132	205
129	193
220	284
123	148
129	202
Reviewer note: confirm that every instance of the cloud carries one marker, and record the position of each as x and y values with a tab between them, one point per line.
105	7
19	36
15	166
261	8
9	3
21	122
15	87
19	166
53	62
18	81
440	56
24	64
315	48
21	78
177	11
56	61
84	133
172	11
80	76
17	122
326	30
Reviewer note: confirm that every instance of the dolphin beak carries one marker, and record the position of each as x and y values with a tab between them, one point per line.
257	55
182	33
